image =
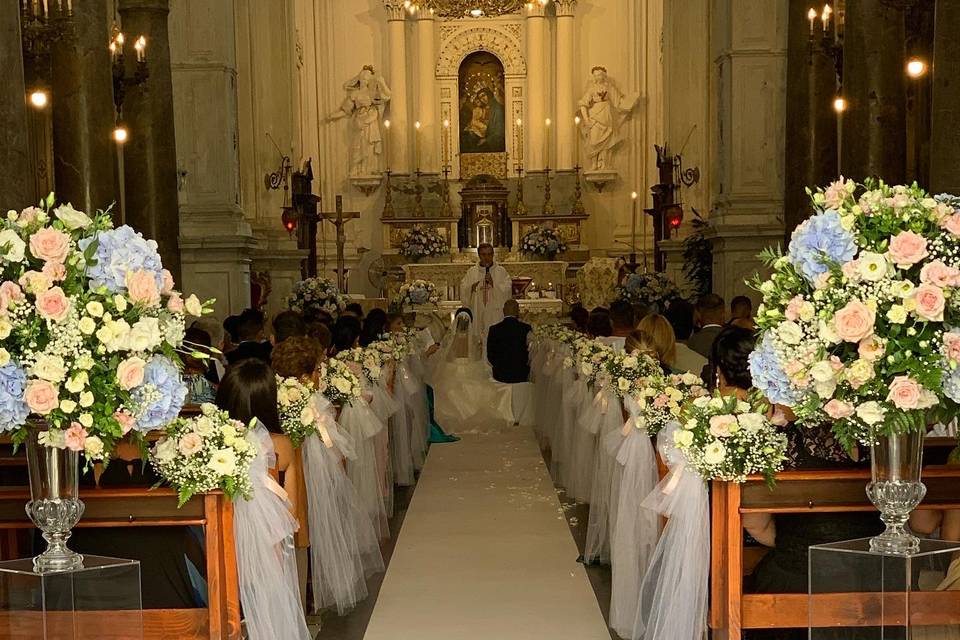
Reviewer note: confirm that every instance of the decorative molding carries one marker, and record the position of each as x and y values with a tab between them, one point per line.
396	10
462	42
445	92
462	8
478	164
565	8
517	92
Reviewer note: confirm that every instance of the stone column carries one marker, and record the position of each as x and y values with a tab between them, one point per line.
16	181
566	100
83	112
811	131
400	128
534	127
426	109
874	84
150	157
945	133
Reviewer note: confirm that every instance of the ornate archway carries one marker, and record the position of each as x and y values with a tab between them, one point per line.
458	43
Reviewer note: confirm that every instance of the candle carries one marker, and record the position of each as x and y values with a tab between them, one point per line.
69	6
546	146
141	47
576	141
46	9
812	17
520	141
416	142
386	142
446	142
633	226
825	16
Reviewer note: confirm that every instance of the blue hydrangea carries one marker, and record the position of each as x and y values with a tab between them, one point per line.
768	374
160	397
819	241
951	384
13	409
552	245
634	283
419	296
118	251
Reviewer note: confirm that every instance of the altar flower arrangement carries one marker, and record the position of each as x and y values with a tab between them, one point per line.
297	420
421	242
860	321
369	361
90	326
417	293
338	384
542	241
313	295
661	399
206	452
724	438
648	289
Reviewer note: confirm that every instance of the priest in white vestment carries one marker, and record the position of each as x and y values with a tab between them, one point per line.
484	289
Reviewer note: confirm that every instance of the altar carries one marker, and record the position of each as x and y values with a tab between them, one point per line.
447	276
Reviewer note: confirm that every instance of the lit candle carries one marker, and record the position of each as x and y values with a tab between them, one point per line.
520	142
141	48
46	9
825	16
812	17
113	51
633	226
576	141
386	143
69	6
446	141
416	142
546	146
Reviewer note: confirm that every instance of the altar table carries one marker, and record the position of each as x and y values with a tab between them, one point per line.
447	275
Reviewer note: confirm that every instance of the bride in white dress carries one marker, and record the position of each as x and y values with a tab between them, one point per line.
466	396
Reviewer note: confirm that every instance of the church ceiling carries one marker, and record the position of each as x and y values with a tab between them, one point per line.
461	8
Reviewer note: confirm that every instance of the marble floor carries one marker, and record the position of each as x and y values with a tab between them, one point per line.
485	552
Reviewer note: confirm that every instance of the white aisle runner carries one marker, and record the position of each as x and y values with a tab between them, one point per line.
484	553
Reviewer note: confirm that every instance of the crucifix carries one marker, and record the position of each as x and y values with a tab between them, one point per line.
339	219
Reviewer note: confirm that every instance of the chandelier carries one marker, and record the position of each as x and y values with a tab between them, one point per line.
471	8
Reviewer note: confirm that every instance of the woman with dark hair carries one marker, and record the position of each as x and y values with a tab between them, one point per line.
374	326
196	371
579	317
346	334
729	362
395	323
599	324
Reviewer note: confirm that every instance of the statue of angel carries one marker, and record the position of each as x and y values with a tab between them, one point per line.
367	96
602	111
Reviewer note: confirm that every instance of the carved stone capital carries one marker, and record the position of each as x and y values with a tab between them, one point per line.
535	10
565	8
396	9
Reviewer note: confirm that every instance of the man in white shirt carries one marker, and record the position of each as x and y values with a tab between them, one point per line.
485	288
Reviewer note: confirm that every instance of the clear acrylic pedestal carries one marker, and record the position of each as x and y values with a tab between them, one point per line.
99	601
857	594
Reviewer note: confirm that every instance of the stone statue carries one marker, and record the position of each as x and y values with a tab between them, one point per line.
602	111
367	96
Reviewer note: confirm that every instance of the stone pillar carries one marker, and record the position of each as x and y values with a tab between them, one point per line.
16	181
874	84
534	127
426	109
83	112
945	133
150	157
566	101
811	131
400	128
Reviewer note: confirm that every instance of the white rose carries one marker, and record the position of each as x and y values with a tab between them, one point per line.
120	303
86	399
714	453
71	218
208	408
790	332
77	382
4	357
690	379
12	245
49	367
623	384
630	362
827	334
223	462
807	311
683	438
165	450
85	362
94	308
752	421
192	305
342	384
822	372
897	314
86	325
67	405
306	416
86	420
871	412
872	266
113	334
203	426
701	402
715	403
5	328
93	447
145	335
586	369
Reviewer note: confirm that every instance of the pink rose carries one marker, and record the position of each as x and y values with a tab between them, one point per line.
720	425
55	271
130	373
41	397
142	288
836	363
870	348
190	444
793	308
939	274
851	269
952	343
175	303
930	302
50	245
167	282
835	194
904	393
952	224
75	437
907	248
661	400
53	304
838	409
9	292
854	322
28	215
126	421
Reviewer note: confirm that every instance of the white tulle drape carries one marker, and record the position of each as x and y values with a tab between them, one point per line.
402	426
344	549
363	426
607	419
266	559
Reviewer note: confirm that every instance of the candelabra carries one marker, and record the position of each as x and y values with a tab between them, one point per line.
388	195
577	207
121	81
418	210
445	210
521	209
41	24
548	208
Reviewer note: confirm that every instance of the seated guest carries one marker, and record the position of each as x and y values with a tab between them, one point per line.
507	346
230	339
374	326
598	324
346	334
195	370
661	335
579	317
622	318
708	316
287	324
354	309
249	336
680	316
741	313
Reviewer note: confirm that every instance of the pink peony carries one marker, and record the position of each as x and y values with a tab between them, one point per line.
167	282
142	288
126	421
930	302
55	271
9	292
75	437
792	311
854	322
952	224
939	274
50	245
904	393
838	409
720	425
190	444
851	269
41	397
130	373
53	304
908	248
175	303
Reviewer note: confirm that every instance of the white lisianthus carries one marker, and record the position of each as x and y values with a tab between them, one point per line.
165	450
71	218
208	408
690	379
86	420
623	384
827	334
586	369
49	367
77	382
807	311
12	246
714	453
701	402
193	306
683	438
715	403
897	314
86	399
86	325
307	416
94	308
223	461
903	288
630	362
113	334
767	287
872	266
68	406
751	421
790	332
871	412
204	426
824	378
85	362
120	303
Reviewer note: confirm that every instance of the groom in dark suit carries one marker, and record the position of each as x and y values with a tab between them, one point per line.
507	346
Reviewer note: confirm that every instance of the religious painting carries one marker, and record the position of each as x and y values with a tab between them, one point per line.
482	115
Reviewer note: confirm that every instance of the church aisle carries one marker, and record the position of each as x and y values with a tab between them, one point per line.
485	551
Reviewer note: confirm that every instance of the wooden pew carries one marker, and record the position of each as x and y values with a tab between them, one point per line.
809	491
141	507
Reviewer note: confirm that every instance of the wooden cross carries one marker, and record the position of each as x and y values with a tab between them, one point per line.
339	219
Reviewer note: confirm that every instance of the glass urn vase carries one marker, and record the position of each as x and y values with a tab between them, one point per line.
896	490
55	506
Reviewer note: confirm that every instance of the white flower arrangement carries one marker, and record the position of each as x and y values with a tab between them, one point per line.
661	399
648	289
313	295
368	360
543	241
724	438
338	384
421	242
297	419
631	373
417	293
394	347
206	452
